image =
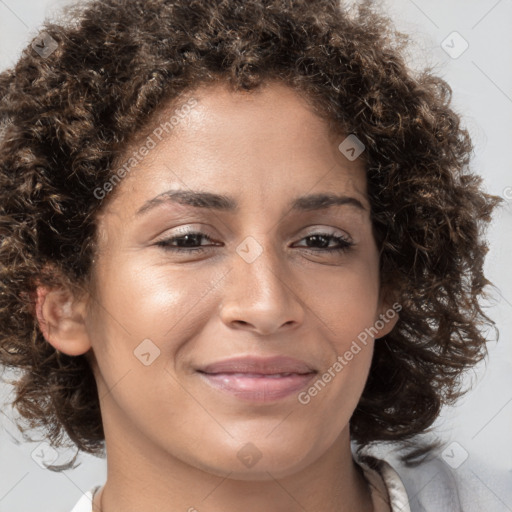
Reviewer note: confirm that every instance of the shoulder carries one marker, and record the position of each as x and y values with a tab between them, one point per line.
430	486
439	484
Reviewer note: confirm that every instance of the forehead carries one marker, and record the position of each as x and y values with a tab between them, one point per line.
266	144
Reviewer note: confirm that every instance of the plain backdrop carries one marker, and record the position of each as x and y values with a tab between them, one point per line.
479	429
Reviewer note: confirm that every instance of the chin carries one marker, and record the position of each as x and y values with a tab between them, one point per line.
259	460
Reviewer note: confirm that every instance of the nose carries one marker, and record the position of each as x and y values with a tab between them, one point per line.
261	296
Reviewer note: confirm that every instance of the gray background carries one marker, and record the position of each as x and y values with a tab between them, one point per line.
481	77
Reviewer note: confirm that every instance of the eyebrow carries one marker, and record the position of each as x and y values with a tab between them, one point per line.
219	202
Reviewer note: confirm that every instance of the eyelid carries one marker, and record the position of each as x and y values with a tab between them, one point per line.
321	229
189	229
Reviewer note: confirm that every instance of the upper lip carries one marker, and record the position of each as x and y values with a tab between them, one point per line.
259	365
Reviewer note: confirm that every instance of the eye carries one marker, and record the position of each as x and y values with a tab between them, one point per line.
191	242
324	239
187	242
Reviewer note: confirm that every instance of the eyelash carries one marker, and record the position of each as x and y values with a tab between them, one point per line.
344	244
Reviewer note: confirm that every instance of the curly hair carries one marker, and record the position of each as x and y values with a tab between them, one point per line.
74	113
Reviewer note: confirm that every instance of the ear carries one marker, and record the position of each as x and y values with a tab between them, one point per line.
61	318
388	316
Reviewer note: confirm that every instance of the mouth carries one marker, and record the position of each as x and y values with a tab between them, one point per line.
258	379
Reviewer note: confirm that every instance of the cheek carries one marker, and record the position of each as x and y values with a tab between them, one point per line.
347	307
150	300
146	317
345	299
346	303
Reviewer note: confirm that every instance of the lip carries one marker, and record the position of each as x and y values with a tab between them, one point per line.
258	379
261	365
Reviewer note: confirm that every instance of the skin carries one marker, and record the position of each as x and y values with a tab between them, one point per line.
172	440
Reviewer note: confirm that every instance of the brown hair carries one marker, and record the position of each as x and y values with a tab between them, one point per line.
72	113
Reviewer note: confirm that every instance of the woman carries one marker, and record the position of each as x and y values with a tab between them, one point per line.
239	239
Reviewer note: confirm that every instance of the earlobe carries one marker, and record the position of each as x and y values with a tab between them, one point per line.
61	319
389	313
387	321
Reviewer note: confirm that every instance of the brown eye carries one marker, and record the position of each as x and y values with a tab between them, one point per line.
321	241
188	242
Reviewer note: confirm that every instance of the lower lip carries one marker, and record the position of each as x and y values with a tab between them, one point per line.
262	388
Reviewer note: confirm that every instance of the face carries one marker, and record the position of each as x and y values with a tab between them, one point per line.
255	267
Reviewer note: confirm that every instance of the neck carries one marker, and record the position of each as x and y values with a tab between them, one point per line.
142	476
